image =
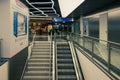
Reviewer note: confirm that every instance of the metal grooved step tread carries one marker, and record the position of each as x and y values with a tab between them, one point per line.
38	67
65	65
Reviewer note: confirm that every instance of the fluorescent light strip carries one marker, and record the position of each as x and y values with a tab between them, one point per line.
53	8
31	13
36	8
44	7
35	11
41	2
51	13
36	16
48	10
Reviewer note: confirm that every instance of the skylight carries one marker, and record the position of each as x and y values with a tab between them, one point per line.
67	6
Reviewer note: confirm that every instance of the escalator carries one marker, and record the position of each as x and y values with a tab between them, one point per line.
65	66
47	63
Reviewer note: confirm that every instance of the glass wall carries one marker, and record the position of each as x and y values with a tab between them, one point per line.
114	36
77	26
93	26
114	26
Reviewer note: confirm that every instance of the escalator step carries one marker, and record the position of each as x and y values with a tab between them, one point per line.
71	77
40	65
65	67
66	73
66	70
64	57
37	74
36	78
41	57
39	60
65	62
38	69
65	51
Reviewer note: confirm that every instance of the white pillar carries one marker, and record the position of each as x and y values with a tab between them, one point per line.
103	29
72	27
81	26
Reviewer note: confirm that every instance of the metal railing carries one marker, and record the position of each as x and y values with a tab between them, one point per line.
54	58
105	52
30	46
50	66
32	42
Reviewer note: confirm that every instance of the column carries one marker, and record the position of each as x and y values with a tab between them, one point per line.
103	29
72	27
81	26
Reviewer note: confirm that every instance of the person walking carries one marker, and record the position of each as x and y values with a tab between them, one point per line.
49	29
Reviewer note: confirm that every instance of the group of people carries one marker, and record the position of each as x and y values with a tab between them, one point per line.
39	29
55	29
46	29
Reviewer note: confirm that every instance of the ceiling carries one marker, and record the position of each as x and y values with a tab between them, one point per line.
89	7
42	8
51	8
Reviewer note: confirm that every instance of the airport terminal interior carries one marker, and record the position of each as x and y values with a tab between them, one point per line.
59	39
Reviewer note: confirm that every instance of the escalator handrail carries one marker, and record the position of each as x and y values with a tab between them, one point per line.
50	66
26	63
76	62
54	59
32	43
33	39
93	38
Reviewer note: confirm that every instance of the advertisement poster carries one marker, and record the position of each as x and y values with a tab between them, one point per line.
21	24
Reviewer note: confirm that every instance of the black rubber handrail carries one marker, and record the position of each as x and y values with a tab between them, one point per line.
114	43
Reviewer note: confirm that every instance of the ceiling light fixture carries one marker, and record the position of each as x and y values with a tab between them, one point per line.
36	8
31	13
37	16
48	11
54	9
41	2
